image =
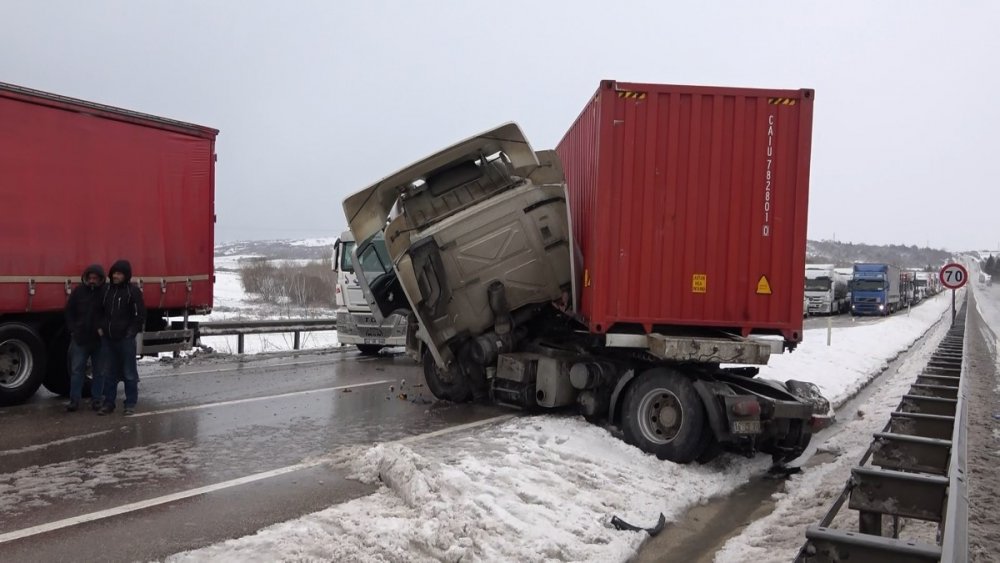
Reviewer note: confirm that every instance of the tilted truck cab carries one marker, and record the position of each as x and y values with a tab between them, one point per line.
482	257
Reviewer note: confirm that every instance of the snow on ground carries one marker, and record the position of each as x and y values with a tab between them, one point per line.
36	486
544	488
530	489
231	302
809	495
856	354
326	241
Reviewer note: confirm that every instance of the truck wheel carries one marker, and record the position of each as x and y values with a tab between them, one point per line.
450	385
22	363
369	349
58	367
663	414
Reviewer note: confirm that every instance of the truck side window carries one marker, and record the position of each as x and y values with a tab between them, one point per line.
346	250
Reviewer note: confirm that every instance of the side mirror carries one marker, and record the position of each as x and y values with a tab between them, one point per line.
336	255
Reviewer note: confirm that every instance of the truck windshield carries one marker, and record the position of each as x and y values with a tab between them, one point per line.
868	285
818	284
346	253
375	260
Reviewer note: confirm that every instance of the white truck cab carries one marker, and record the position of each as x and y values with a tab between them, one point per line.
356	325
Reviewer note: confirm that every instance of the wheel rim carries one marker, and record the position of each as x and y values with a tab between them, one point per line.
16	363
661	416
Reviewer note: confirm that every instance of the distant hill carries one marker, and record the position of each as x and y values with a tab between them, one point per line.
307	249
847	253
817	252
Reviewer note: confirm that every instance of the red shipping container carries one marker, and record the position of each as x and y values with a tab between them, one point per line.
82	183
689	205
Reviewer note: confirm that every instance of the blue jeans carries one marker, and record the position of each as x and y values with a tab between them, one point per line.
78	356
121	365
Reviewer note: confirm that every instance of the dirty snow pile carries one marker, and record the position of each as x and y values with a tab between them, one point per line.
857	354
530	489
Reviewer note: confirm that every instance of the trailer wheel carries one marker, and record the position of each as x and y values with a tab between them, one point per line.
369	349
450	385
22	363
57	373
663	414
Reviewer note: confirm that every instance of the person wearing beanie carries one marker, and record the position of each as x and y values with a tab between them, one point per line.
123	316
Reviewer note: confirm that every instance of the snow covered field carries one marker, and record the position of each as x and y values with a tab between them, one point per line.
544	488
232	303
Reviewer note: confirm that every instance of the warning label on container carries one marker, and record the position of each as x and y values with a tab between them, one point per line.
699	283
763	286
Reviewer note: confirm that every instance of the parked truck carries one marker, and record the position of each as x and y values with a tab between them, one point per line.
847	274
356	325
618	275
826	290
875	290
86	183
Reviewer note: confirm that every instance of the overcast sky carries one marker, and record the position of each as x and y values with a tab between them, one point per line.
316	100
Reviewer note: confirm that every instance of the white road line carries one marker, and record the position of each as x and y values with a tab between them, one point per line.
249	367
264	398
450	429
141	505
37	447
102	514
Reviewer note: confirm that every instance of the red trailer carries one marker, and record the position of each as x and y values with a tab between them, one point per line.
689	205
86	183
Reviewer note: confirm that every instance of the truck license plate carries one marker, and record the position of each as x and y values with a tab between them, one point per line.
745	426
375	341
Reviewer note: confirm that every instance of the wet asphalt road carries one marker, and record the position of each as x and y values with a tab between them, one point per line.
198	425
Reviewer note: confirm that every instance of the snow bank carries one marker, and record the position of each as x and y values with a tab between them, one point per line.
531	489
857	354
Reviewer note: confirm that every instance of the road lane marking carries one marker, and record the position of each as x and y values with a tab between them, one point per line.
132	507
264	398
149	503
450	429
37	447
329	361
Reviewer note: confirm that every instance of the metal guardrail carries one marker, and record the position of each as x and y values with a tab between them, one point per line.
917	471
242	328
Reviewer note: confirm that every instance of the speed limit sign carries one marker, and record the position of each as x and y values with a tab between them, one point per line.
954	276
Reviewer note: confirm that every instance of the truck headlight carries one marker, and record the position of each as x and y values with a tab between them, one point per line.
881	307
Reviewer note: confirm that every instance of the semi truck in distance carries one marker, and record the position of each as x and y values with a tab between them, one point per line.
875	290
84	183
607	281
826	289
356	325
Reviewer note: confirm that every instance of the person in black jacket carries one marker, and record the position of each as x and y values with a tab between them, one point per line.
83	312
123	315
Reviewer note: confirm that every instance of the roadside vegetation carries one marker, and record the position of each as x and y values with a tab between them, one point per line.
276	282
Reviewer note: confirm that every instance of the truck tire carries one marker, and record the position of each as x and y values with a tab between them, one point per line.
447	386
58	381
22	363
369	349
58	367
663	414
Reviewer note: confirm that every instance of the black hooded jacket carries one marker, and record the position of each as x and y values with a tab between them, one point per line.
123	313
83	309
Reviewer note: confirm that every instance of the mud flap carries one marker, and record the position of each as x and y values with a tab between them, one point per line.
624	526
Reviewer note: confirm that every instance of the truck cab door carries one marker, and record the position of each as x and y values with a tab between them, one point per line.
378	280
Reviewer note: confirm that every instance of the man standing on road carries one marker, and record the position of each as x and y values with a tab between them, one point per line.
123	315
83	312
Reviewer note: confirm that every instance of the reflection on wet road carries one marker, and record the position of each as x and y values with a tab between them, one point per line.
284	420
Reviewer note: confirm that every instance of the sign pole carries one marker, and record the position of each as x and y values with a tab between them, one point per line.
953	311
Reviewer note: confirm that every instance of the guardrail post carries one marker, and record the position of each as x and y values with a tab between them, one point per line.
239	343
297	340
